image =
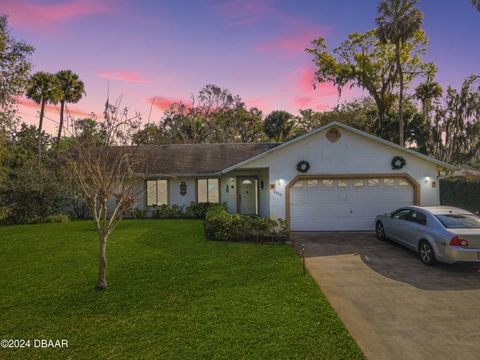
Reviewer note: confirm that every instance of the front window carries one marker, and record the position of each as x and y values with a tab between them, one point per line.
157	192
208	190
459	221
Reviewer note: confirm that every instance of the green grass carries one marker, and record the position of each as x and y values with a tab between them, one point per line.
172	294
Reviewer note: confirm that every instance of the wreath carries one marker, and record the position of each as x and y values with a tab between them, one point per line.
398	162
303	166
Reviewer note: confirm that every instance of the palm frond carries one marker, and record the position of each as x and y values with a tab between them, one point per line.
476	3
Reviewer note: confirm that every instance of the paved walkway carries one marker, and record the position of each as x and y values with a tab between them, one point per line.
393	305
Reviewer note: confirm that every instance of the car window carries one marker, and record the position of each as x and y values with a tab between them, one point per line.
418	217
401	214
459	221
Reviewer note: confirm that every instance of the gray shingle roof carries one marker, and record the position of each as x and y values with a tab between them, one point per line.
198	159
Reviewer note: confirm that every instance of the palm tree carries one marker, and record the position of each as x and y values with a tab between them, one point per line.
476	3
43	88
278	125
72	90
398	21
426	92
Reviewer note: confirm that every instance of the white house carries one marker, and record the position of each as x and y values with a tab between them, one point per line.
334	178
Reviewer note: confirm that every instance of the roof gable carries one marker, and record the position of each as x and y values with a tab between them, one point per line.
352	130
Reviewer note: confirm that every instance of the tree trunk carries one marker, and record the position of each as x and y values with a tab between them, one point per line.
381	113
102	269
401	125
60	125
40	126
380	109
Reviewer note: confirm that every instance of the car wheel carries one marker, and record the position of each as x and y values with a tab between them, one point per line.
380	230
427	255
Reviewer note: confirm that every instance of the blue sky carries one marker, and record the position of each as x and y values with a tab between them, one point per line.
168	50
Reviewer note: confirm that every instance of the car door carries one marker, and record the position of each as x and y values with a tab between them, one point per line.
396	229
414	226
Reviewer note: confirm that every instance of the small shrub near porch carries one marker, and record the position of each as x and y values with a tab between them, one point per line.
223	226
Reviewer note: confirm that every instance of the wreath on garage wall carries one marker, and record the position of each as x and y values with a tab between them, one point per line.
303	166
398	162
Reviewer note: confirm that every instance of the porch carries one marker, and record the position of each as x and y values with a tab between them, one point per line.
246	192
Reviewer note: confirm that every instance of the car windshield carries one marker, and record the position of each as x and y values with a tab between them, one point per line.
459	221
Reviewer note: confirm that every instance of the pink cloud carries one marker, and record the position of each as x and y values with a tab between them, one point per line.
304	102
320	98
239	12
124	75
25	13
29	104
305	81
163	103
292	44
263	103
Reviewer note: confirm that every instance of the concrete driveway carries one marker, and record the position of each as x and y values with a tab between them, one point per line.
393	305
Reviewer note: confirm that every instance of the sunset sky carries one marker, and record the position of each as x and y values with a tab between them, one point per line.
171	49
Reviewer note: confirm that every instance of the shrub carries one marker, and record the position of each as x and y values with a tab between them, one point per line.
460	192
34	192
3	216
221	225
76	204
56	218
241	226
282	228
176	211
161	212
198	211
136	213
218	223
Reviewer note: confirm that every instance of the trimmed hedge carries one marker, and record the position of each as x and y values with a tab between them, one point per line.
192	211
460	192
223	226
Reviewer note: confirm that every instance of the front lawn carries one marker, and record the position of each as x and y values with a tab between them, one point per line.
172	294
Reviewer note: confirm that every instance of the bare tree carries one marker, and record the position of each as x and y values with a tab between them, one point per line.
106	172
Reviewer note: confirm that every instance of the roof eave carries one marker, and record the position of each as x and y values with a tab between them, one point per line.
179	175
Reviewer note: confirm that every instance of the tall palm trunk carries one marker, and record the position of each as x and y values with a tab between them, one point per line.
401	124
40	127
60	125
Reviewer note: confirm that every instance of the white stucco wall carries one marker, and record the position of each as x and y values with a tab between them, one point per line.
229	197
352	153
174	191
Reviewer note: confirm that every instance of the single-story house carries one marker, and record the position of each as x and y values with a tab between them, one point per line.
331	179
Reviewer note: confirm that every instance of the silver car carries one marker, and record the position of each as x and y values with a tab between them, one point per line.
439	233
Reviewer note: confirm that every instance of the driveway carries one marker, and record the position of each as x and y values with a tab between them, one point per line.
393	305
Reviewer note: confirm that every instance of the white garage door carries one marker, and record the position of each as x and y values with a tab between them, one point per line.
345	204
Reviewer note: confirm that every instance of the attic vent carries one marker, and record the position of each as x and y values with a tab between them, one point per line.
333	134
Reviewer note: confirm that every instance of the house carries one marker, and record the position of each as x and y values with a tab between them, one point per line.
331	179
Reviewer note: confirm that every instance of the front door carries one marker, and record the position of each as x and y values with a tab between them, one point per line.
247	195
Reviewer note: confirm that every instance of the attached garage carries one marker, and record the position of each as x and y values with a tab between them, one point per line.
346	203
338	178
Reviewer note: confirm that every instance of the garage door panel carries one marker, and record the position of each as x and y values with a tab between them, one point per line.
332	224
341	206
